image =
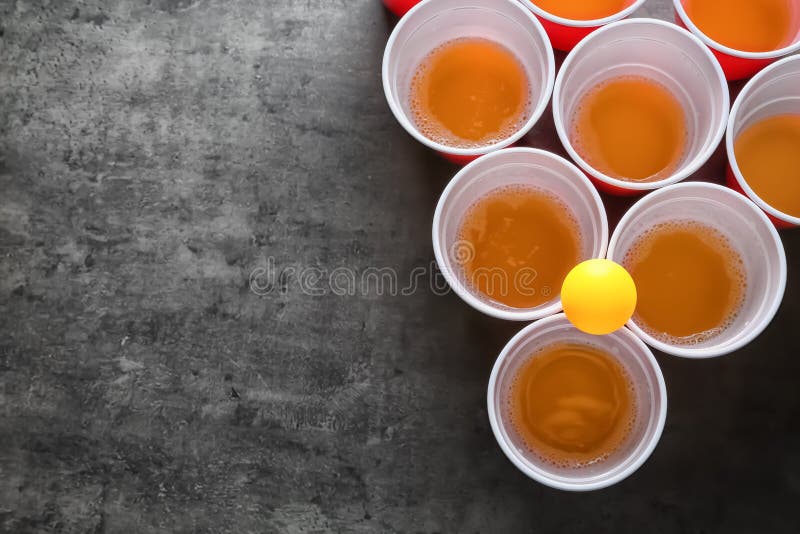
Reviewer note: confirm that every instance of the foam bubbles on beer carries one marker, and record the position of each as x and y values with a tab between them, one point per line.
433	129
715	238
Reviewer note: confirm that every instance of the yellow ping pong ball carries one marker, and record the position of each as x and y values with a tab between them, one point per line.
599	296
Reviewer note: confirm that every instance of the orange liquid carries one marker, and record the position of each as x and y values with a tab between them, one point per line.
748	25
768	154
690	281
630	128
518	244
581	9
470	92
572	404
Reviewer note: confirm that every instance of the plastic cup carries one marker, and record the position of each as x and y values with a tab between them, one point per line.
773	91
399	7
750	232
434	22
511	167
566	33
661	52
649	391
738	64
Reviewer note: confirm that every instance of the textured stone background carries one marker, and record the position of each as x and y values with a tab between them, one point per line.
153	153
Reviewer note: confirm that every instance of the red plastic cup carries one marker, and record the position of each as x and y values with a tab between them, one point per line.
773	91
565	33
737	64
647	387
529	167
432	23
750	234
659	51
400	7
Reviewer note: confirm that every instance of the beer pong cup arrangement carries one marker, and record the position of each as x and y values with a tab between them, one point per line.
566	31
433	23
599	377
527	167
657	51
648	389
749	232
772	92
741	63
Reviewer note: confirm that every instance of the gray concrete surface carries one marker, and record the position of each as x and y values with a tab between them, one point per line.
154	155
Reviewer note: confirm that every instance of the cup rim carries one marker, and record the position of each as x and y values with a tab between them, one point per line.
697	162
643	455
536	113
580	23
510	314
775	300
769	54
729	142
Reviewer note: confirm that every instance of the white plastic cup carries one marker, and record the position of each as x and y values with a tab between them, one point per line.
566	33
750	233
738	64
514	167
773	91
650	394
661	52
432	23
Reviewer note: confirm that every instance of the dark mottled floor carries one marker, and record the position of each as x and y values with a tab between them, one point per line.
155	155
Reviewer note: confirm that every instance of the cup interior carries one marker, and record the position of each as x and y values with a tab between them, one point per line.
774	94
749	232
435	22
663	53
626	9
775	91
648	391
792	45
515	167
